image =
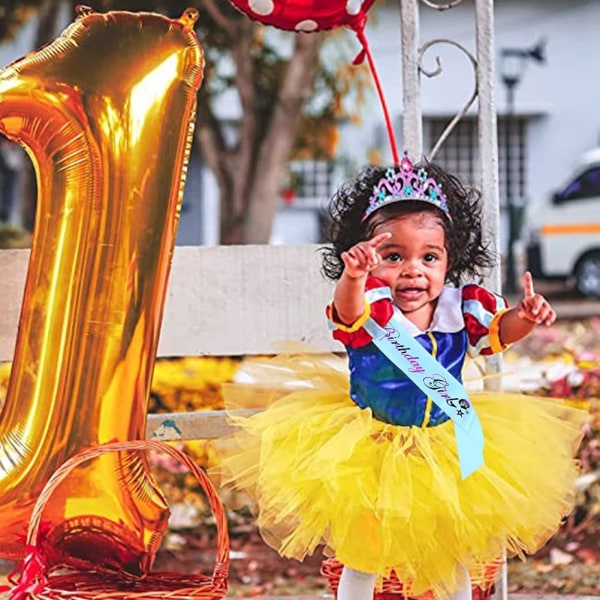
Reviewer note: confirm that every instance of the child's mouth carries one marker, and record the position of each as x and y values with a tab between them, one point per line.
409	293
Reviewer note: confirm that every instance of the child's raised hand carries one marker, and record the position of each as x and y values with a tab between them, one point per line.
363	257
534	307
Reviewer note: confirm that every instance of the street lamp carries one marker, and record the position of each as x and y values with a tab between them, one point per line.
512	67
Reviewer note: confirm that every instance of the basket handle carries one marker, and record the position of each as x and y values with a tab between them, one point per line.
221	567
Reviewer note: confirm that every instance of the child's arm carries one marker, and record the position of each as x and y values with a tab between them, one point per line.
348	298
533	310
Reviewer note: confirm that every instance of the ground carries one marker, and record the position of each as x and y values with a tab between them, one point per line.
257	570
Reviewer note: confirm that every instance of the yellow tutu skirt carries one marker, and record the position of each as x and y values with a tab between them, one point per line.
320	471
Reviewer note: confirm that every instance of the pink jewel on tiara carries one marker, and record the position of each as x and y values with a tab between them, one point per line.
403	183
405	163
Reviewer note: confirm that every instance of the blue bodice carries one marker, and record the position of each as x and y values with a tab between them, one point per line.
376	383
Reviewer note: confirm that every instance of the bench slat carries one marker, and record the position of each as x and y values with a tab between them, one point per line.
202	425
221	300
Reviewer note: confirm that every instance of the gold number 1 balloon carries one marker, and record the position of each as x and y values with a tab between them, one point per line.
106	113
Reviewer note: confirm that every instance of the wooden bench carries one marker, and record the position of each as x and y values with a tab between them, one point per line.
222	301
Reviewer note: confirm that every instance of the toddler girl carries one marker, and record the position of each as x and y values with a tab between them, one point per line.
402	469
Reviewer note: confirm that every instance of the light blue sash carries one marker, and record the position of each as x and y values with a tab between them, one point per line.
437	383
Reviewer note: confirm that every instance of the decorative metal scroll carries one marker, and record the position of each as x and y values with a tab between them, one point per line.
444	6
435	72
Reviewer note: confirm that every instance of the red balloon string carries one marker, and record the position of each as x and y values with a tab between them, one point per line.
359	29
28	578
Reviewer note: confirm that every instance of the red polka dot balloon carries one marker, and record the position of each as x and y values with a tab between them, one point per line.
306	15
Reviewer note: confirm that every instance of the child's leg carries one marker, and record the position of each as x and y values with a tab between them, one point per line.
464	592
356	585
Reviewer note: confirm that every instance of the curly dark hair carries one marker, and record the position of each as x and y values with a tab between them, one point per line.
468	255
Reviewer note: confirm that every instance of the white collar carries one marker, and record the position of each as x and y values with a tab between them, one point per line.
447	318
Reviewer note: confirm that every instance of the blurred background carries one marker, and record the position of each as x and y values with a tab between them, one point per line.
328	124
546	98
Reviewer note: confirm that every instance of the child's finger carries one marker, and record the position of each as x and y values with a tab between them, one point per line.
524	310
352	266
377	240
348	259
352	256
528	285
547	314
538	304
550	318
527	309
365	253
373	256
543	313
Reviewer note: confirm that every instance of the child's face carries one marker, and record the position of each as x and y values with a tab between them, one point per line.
414	264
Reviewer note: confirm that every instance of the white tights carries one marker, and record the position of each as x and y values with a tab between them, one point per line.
356	585
464	592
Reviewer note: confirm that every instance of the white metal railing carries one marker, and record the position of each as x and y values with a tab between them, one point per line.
484	63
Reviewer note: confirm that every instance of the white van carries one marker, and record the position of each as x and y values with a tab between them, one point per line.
563	231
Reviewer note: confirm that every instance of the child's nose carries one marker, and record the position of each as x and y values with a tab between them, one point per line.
411	268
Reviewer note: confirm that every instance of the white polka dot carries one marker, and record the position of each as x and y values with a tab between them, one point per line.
353	6
261	7
307	25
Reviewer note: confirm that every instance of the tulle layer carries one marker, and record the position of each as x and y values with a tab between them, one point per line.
320	471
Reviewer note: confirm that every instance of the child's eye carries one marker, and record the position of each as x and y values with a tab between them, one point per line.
430	258
393	257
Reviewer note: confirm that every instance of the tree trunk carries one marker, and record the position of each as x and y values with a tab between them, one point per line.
269	171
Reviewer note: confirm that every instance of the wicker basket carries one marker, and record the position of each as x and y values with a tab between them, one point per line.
32	580
482	579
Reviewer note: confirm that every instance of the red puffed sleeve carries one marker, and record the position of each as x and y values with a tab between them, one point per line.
380	309
482	311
